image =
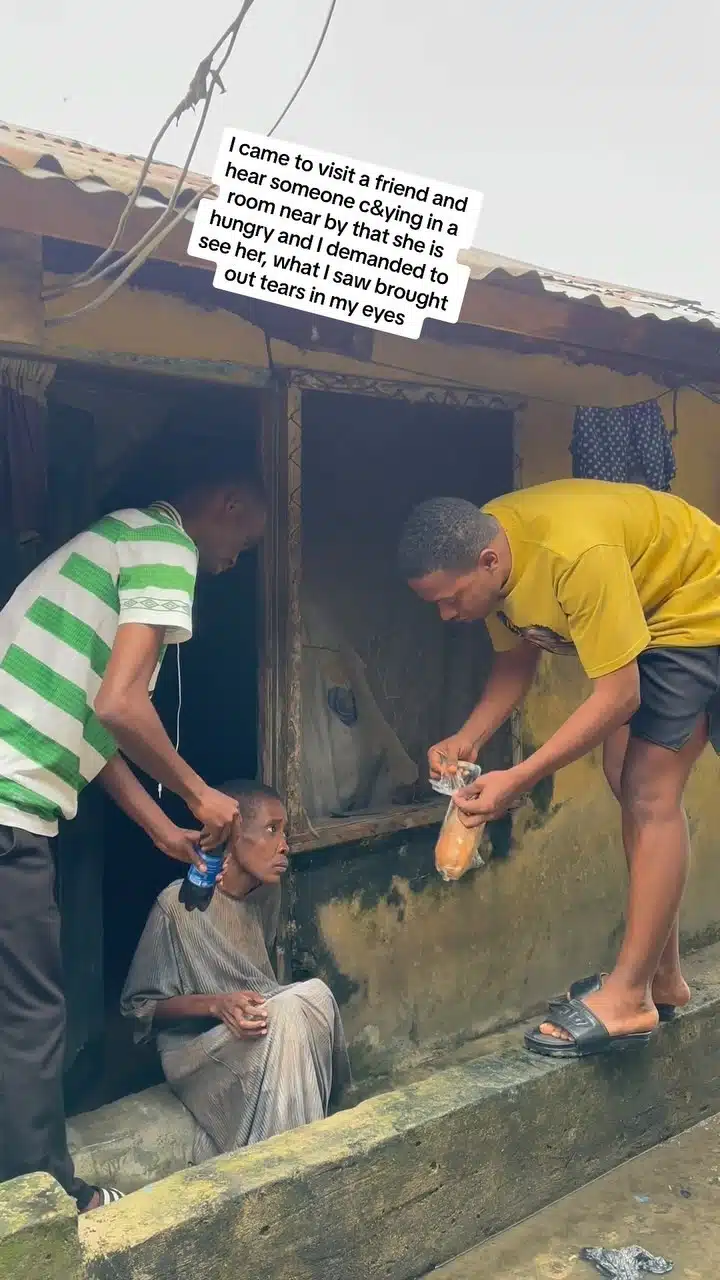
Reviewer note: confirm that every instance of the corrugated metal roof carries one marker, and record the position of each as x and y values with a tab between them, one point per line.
42	155
636	302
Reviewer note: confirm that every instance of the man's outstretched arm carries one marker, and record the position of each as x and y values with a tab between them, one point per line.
611	704
613	701
510	678
123	705
119	781
608	627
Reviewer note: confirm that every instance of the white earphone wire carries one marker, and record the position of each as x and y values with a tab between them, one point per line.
179	709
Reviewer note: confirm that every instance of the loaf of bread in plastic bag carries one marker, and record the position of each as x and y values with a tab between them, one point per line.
457	846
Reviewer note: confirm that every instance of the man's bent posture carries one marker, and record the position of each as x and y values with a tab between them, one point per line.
81	641
628	579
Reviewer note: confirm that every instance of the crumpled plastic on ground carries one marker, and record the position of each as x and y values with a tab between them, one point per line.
626	1264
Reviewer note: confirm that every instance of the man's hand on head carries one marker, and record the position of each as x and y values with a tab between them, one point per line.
118	779
217	813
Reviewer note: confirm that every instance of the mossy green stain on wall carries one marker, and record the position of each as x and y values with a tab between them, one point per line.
412	1178
392	1188
38	1231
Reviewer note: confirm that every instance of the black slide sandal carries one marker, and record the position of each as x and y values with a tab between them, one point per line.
590	1036
587	986
667	1012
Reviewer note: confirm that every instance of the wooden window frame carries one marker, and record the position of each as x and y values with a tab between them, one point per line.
281	577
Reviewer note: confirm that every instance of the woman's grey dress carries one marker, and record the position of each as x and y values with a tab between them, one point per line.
239	1091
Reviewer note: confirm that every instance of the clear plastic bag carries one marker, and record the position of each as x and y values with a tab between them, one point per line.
457	848
626	1264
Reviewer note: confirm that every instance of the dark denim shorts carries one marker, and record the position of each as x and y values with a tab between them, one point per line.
677	686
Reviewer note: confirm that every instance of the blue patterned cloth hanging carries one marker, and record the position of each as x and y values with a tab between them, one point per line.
631	444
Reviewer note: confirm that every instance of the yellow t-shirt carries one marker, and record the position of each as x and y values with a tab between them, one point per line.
606	571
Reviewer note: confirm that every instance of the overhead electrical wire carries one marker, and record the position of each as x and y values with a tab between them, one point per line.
308	69
136	261
202	86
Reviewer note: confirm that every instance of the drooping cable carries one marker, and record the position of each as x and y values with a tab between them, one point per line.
201	89
316	53
202	86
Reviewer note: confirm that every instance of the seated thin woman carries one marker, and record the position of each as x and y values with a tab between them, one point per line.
247	1057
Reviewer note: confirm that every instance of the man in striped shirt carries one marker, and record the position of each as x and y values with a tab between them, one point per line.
81	642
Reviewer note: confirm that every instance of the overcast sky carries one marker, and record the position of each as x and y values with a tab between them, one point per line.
593	130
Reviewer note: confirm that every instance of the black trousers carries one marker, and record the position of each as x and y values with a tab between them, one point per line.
32	1017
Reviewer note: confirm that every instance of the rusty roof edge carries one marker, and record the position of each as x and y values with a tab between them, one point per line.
39	155
35	154
637	303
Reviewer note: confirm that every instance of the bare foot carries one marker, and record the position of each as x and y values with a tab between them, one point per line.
668	988
621	1017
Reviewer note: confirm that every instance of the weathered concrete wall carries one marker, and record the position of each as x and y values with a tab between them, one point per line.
470	1150
412	1178
38	1231
133	1141
416	962
413	961
22	313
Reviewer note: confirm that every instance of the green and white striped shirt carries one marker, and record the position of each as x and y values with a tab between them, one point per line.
56	635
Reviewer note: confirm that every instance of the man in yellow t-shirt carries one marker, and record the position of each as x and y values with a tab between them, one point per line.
628	580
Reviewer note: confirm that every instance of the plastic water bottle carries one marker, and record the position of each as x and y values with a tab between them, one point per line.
198	887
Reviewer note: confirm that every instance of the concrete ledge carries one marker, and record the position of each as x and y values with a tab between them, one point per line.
147	1136
38	1231
409	1179
137	1140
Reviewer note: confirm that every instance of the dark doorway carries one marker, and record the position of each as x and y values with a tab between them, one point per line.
108	871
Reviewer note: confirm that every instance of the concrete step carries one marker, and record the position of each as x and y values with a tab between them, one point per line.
405	1181
667	1201
146	1136
134	1141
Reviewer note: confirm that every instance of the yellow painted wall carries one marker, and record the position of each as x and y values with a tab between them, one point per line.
544	441
457	959
471	957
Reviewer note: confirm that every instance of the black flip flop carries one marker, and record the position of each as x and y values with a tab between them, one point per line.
586	986
590	1036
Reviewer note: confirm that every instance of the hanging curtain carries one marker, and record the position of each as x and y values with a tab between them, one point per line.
23	441
631	444
23	465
